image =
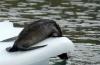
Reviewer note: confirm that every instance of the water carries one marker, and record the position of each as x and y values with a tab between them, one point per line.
79	20
86	54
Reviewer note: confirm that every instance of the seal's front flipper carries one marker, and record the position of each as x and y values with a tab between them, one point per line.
31	48
36	47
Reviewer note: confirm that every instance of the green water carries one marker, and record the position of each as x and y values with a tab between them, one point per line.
79	20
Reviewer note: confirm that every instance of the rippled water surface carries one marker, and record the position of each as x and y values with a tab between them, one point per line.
79	20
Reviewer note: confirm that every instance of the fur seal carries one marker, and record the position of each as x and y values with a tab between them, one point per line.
35	32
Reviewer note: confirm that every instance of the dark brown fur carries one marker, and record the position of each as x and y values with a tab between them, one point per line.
34	33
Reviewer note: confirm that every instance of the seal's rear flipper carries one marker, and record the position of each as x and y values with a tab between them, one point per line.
8	49
11	49
9	39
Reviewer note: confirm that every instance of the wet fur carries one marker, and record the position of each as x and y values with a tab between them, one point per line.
34	33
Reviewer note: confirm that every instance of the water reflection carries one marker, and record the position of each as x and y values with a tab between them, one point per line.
61	63
54	2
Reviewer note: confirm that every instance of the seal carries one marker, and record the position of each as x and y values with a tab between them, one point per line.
34	33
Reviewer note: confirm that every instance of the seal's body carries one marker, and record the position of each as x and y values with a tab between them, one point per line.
34	33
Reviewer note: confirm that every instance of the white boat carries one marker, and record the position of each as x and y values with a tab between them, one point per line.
7	30
55	46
